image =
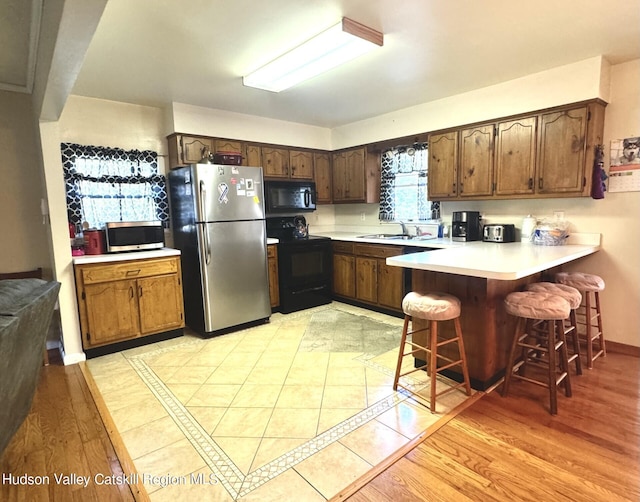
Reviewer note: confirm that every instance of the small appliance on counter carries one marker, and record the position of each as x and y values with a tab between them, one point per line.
499	233
94	241
134	236
465	226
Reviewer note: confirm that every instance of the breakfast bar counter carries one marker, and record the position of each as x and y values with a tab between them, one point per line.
481	276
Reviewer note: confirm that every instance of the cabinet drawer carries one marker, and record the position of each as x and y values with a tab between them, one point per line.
377	251
272	251
342	247
92	274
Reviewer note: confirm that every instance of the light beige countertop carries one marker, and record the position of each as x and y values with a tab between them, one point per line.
124	256
506	261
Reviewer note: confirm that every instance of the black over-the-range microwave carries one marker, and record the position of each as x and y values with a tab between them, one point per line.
285	197
134	235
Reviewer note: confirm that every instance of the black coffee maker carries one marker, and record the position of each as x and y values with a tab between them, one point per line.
465	226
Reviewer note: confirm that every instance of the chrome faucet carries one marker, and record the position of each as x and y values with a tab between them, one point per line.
404	227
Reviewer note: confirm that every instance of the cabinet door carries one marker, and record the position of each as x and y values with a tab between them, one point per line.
253	156
516	156
344	278
160	301
301	165
367	279
390	285
112	312
194	149
274	288
561	147
475	174
275	162
225	145
322	169
339	175
355	175
443	166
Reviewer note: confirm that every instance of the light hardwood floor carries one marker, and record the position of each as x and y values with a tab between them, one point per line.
498	449
508	449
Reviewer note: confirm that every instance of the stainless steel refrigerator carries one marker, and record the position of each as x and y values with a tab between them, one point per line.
219	226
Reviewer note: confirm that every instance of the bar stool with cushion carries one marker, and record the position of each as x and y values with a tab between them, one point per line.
434	307
590	286
573	296
530	307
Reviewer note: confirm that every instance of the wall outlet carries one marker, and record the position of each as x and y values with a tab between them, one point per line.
559	215
362	217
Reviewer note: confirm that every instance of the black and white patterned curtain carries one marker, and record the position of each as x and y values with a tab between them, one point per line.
111	184
403	188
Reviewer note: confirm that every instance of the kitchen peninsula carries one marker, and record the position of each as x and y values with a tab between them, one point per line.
481	275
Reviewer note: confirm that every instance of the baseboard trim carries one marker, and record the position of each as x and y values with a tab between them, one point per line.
137	487
392	459
622	348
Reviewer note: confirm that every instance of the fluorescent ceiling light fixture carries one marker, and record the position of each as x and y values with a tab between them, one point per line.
337	45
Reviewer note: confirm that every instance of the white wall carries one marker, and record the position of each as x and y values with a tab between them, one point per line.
97	122
222	124
566	84
23	231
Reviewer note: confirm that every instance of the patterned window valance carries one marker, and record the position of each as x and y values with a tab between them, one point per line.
111	184
403	188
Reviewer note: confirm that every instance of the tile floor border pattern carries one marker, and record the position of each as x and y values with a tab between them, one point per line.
234	481
220	464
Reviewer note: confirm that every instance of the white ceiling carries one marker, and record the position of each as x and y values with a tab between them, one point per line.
154	52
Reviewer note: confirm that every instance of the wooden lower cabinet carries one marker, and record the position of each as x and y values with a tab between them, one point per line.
344	270
130	299
360	273
274	289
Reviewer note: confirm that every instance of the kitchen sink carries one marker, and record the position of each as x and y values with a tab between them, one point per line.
397	237
383	236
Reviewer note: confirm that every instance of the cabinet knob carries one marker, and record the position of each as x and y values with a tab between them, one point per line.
540	183
530	183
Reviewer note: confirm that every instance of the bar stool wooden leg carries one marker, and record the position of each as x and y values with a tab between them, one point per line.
564	358
576	341
553	388
463	356
601	336
403	340
512	355
433	363
587	320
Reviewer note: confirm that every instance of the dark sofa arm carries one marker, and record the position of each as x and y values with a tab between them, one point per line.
26	308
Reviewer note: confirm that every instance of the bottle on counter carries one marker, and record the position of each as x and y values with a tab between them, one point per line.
528	227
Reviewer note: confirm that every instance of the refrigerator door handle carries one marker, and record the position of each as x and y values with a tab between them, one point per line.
203	205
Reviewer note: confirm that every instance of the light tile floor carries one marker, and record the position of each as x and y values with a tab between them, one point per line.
248	416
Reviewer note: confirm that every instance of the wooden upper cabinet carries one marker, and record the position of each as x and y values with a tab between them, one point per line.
275	162
252	156
515	158
562	141
194	149
355	174
443	165
349	171
226	145
475	172
301	165
322	176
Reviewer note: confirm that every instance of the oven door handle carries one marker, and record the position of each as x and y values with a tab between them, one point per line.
307	290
